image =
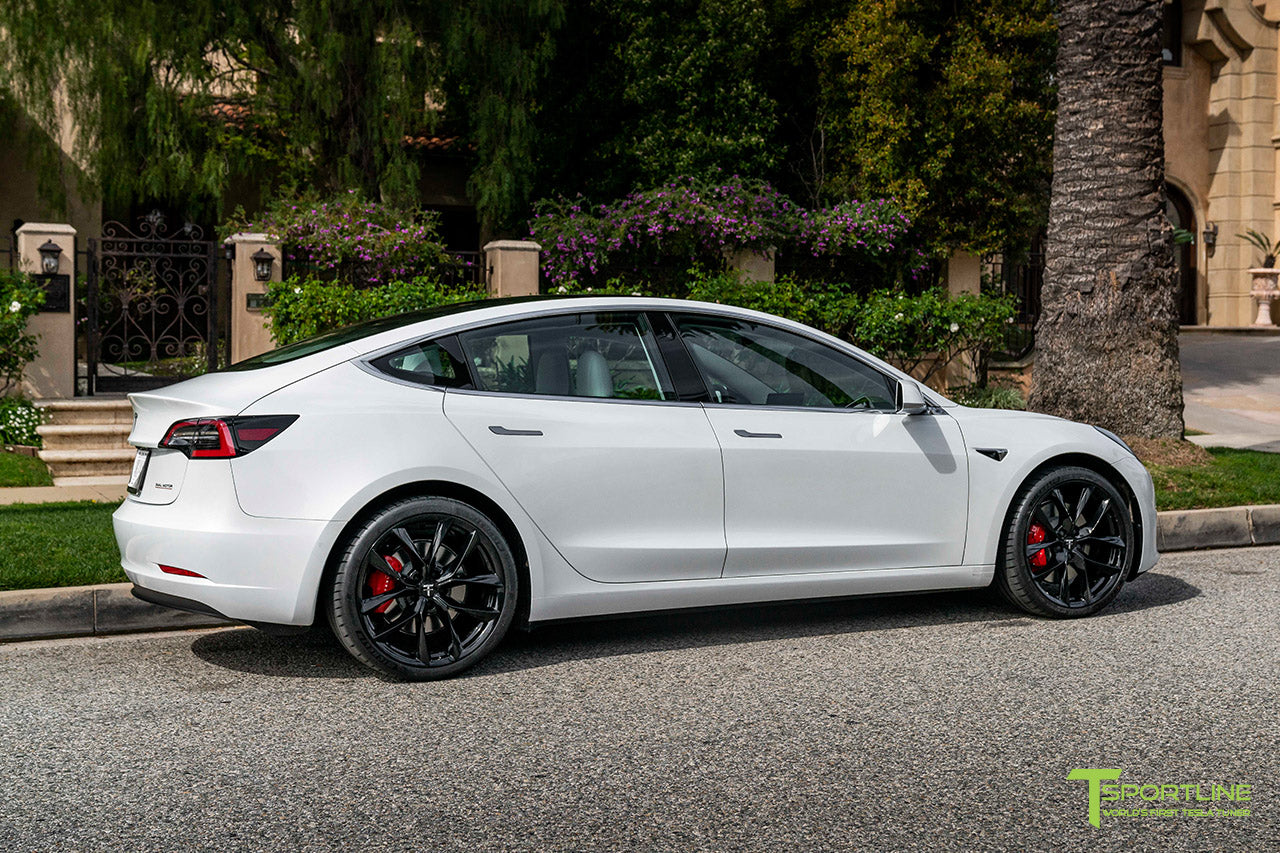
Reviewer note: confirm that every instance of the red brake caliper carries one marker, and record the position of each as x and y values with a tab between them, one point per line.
1034	537
381	582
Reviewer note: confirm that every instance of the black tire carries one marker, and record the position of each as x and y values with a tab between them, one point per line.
1086	530
432	612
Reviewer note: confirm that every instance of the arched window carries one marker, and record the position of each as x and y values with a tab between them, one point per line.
1178	209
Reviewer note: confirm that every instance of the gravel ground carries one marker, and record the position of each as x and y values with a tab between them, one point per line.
940	722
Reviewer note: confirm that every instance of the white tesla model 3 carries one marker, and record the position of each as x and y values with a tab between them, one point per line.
424	482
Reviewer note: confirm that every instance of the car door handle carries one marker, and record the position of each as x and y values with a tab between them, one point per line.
501	430
748	434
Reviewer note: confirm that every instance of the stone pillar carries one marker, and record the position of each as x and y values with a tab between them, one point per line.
964	273
513	267
751	265
52	375
249	333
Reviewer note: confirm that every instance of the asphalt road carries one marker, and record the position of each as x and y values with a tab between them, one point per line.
941	722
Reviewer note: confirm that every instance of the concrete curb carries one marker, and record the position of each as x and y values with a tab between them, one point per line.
85	611
1229	527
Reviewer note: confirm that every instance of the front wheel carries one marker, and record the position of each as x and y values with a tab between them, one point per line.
426	588
1068	545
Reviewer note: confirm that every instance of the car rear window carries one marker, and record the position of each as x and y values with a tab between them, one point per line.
349	334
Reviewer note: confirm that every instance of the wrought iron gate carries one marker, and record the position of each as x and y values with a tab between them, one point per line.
149	317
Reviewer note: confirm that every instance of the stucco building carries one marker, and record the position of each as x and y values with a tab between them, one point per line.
1222	133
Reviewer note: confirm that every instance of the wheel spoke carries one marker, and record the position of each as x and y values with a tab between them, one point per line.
407	541
455	643
1085	494
396	625
1114	541
1102	512
433	552
1061	506
456	566
479	580
484	614
424	654
368	605
380	564
1084	574
1039	546
1106	568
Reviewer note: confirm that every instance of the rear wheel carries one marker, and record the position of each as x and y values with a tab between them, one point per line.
1068	544
426	588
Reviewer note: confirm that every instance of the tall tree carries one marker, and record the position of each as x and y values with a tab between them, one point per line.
172	100
946	106
1106	343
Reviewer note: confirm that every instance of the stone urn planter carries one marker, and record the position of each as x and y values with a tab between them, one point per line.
1264	292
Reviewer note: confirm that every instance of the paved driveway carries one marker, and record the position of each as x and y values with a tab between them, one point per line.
1231	387
941	722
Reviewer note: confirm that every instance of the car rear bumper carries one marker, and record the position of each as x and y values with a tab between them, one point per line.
255	570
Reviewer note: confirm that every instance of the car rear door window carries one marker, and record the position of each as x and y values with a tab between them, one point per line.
750	363
437	363
597	354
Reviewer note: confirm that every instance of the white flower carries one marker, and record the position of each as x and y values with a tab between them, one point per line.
898	316
15	307
562	289
1008	320
297	290
955	327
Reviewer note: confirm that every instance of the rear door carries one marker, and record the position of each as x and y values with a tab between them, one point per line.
821	474
577	416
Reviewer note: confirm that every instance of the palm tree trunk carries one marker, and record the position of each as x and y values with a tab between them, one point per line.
1107	340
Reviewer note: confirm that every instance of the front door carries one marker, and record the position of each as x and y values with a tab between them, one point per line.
821	474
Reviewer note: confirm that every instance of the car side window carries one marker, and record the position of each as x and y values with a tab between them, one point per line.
754	364
597	354
429	363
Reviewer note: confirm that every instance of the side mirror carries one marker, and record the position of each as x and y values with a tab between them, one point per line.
910	399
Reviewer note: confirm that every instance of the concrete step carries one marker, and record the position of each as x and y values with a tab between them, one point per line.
88	463
84	436
72	412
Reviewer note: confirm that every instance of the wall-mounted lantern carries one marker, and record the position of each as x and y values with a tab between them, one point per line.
1210	235
262	263
50	257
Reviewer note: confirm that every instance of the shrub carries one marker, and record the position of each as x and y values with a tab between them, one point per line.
922	334
352	241
300	308
649	239
19	418
20	298
988	397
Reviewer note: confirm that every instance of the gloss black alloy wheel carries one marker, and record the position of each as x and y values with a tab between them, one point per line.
1069	544
426	589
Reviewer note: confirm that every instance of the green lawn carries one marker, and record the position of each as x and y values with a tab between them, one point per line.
64	544
1230	478
19	470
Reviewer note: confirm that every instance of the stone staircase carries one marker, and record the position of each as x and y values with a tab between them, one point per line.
85	441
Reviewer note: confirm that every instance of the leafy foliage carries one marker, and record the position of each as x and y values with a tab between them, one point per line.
20	299
300	308
1263	243
19	418
650	238
173	100
988	397
348	239
947	107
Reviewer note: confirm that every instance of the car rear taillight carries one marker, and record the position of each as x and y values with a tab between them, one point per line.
224	438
